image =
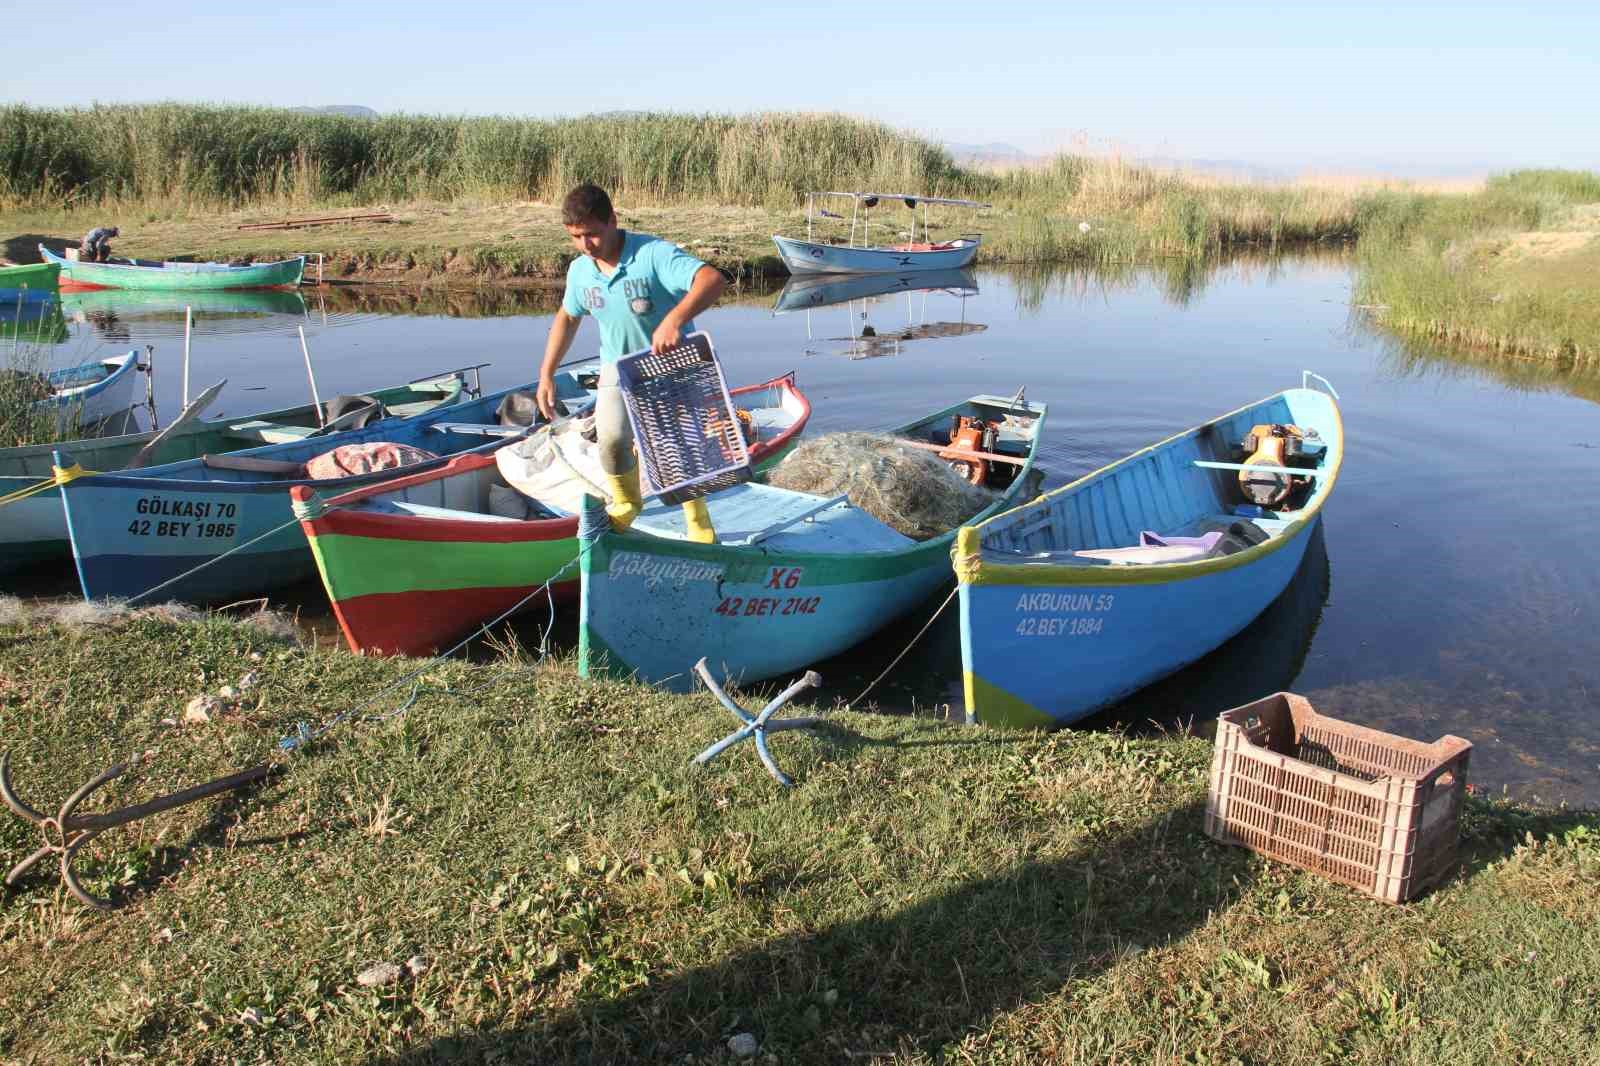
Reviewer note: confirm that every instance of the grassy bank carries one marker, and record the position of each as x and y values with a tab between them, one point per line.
579	893
1510	269
1507	267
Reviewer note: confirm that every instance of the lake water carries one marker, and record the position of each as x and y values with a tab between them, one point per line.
1454	589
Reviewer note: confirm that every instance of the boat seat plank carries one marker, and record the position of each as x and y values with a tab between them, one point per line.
251	465
748	510
477	429
1263	469
269	432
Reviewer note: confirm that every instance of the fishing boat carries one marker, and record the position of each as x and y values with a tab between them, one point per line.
794	579
147	531
85	394
156	274
31	283
33	528
1095	590
856	254
413	565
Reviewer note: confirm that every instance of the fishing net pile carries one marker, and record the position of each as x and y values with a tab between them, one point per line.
912	491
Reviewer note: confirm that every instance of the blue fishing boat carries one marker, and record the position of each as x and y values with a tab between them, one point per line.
794	579
856	254
138	529
1096	589
33	528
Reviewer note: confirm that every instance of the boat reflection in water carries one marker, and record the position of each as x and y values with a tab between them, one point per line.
29	320
122	316
860	293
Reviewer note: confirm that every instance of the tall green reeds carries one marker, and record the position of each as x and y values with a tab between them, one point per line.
227	156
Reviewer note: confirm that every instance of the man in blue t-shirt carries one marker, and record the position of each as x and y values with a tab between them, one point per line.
644	292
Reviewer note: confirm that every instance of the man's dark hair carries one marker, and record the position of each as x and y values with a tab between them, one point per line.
584	203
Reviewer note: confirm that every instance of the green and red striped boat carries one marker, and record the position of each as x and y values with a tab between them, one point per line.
31	283
156	274
414	564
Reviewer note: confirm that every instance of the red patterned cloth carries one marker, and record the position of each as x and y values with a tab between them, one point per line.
364	459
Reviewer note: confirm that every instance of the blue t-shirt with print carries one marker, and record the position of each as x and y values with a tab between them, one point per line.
652	275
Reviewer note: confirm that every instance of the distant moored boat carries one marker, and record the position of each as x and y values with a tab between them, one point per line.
145	274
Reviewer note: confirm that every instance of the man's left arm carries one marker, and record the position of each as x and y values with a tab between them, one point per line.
703	292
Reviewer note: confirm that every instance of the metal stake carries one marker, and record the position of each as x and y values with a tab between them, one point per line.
758	726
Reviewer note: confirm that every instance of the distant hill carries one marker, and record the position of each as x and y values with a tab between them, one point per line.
993	152
347	110
1237	169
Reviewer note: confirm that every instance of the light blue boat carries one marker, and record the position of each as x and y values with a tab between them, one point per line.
138	529
855	253
795	578
1095	590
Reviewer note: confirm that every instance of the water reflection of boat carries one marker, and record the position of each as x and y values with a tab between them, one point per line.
824	290
144	303
33	320
860	293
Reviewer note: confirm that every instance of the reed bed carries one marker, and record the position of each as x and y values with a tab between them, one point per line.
188	157
1508	269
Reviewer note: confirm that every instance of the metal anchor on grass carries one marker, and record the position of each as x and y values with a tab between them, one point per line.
759	725
69	831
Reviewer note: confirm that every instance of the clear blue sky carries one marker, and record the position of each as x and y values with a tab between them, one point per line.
1409	88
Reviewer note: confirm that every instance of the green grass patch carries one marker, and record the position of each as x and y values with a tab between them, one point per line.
581	893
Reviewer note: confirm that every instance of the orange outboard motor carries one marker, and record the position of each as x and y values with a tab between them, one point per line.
970	435
1271	445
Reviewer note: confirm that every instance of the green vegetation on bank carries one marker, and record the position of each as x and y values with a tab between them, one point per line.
578	892
1509	267
1512	268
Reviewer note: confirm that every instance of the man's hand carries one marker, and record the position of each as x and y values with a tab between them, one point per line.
547	396
667	336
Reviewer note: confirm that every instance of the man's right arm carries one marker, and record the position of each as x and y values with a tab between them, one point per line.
563	327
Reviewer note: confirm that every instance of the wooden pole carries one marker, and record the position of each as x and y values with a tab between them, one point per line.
947	452
315	399
188	325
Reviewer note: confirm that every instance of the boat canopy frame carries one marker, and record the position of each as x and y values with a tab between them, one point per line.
863	202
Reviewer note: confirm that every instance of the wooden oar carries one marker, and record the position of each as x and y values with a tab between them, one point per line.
189	414
947	452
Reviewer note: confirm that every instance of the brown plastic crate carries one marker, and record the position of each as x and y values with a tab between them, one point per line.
1375	811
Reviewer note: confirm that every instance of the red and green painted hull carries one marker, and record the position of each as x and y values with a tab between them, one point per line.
403	583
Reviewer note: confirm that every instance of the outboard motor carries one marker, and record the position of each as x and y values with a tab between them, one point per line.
1280	446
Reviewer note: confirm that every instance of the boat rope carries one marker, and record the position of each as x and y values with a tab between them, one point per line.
305	734
274	531
907	648
58	476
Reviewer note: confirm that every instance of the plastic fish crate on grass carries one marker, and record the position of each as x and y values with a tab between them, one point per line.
684	423
1375	811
